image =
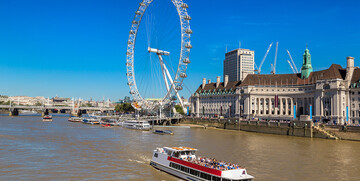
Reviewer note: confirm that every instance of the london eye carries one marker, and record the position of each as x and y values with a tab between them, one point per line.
157	41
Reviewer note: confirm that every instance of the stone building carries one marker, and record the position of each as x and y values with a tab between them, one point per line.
238	64
331	95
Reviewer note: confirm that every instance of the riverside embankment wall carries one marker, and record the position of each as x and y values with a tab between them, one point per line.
344	132
294	128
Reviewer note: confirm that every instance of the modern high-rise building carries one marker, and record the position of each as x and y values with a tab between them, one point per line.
238	64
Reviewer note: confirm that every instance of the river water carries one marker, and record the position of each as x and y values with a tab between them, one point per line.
60	150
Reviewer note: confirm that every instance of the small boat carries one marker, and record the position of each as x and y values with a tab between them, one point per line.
47	118
163	132
107	125
183	163
139	125
75	119
90	121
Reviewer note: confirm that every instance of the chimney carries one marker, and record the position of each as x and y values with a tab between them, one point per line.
209	81
226	80
203	83
217	81
349	68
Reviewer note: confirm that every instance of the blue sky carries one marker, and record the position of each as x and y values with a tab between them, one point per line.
77	48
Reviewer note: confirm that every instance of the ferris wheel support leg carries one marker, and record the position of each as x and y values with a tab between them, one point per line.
163	67
172	86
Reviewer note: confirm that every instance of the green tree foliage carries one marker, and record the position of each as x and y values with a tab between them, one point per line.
86	105
124	107
4	103
38	104
179	109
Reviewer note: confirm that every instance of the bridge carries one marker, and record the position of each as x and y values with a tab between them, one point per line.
14	109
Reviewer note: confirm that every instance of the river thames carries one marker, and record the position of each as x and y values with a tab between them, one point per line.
60	150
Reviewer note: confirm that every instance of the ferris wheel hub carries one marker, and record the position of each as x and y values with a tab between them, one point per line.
157	51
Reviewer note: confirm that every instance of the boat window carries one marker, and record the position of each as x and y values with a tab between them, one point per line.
182	153
224	179
216	178
205	176
184	169
156	155
192	152
194	172
176	154
169	153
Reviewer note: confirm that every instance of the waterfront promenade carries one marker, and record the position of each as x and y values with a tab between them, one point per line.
61	150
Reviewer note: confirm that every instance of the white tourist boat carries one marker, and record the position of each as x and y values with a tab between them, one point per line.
183	163
134	124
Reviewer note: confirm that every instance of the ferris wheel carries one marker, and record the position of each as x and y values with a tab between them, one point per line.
173	84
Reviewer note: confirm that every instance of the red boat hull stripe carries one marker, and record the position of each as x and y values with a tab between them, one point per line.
196	166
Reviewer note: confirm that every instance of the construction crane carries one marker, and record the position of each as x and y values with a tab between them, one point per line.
292	68
292	61
262	61
276	51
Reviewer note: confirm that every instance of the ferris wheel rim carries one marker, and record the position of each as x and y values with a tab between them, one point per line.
180	75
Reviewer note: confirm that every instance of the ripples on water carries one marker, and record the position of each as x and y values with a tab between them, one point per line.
60	150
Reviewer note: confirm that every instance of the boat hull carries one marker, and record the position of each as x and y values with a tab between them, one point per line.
174	172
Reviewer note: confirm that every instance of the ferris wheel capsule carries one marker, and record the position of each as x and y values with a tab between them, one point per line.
183	75
187	17
184	5
189	46
188	31
138	13
186	61
178	87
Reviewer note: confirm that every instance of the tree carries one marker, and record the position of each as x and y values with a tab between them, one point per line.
124	107
4	103
38	104
179	109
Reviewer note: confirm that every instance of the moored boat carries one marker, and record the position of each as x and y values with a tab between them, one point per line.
106	125
183	163
139	125
75	119
163	132
47	118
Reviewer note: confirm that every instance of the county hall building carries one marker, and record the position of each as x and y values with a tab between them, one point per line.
331	95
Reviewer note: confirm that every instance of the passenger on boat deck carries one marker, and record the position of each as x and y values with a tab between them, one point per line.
213	163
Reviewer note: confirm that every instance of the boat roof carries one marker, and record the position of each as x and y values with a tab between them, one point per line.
181	148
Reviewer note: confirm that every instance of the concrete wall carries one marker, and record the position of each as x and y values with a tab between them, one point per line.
294	128
345	132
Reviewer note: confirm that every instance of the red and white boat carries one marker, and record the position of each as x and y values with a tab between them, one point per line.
183	163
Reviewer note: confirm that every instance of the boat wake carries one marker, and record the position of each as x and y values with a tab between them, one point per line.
137	161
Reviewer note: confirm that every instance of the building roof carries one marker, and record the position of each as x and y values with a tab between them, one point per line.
231	85
335	71
356	75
